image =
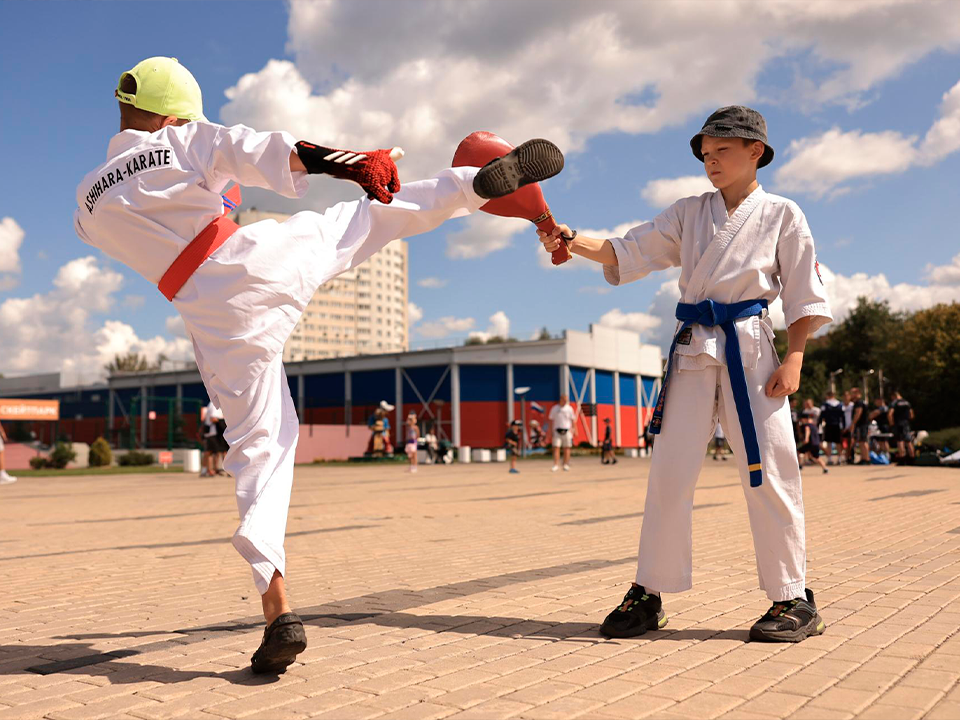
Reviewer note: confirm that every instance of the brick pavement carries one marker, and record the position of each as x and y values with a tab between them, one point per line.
466	592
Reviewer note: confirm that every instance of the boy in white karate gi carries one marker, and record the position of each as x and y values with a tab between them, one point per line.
738	249
156	206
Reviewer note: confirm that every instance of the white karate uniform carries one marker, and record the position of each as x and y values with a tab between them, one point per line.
157	191
764	249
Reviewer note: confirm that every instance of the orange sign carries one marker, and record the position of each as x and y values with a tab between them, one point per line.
165	457
21	409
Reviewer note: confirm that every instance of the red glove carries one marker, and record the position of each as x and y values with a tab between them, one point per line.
374	171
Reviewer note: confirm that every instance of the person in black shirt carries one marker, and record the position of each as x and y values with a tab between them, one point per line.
834	421
512	443
607	456
899	416
810	434
879	415
861	421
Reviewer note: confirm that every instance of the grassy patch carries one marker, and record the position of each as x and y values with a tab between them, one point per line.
144	470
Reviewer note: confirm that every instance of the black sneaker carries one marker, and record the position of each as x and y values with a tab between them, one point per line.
529	162
283	640
790	621
637	613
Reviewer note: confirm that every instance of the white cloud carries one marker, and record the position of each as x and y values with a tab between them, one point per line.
133	302
639	322
440	70
414	314
844	290
11	237
499	327
945	274
54	331
825	164
445	326
666	191
943	138
483	234
175	327
432	283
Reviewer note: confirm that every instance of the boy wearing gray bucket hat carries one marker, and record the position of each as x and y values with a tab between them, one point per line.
739	248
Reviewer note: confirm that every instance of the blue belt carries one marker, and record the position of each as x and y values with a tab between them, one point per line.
711	314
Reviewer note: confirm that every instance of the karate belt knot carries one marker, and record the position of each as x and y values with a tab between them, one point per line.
711	314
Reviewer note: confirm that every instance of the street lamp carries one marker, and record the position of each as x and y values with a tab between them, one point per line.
833	382
864	378
520	392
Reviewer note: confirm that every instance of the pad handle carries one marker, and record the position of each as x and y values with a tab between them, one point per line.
547	224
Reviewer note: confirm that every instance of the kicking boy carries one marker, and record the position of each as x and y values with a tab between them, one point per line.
738	249
156	206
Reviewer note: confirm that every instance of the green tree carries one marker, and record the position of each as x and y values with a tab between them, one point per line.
133	362
544	333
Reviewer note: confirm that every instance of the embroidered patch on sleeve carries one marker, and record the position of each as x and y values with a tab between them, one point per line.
685	337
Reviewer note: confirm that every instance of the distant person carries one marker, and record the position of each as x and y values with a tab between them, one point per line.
5	478
220	445
861	423
511	442
607	454
379	425
900	415
211	448
431	445
810	445
562	417
834	420
848	426
719	444
811	410
412	436
879	415
537	436
795	419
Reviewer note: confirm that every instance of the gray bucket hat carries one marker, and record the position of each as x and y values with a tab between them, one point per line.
735	121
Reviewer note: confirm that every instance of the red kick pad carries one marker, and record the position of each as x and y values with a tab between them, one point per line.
479	148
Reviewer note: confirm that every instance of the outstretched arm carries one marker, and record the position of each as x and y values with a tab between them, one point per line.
374	171
595	249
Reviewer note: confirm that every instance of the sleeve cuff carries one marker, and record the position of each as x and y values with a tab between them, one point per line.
295	184
820	313
625	270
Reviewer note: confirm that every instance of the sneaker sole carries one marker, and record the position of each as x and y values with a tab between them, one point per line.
815	627
657	623
533	161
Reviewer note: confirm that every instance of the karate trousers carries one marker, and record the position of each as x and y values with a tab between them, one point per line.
696	398
262	423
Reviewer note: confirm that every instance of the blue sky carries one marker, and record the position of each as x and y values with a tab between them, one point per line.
880	204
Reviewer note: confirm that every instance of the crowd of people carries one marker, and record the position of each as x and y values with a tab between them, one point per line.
851	430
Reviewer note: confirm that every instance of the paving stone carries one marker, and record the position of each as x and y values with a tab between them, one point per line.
417	605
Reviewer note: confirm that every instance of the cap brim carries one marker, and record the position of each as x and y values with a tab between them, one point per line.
697	140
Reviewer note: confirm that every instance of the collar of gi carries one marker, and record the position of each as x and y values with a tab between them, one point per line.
735	121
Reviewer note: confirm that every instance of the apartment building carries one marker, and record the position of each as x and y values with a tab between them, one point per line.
361	312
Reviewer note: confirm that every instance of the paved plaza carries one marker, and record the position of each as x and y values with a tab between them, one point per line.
466	592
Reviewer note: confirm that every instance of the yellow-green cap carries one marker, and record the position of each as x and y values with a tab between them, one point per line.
165	87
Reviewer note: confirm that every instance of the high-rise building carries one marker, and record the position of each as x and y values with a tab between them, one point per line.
360	312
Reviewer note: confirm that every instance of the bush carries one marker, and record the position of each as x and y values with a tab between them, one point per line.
948	438
100	455
62	454
39	462
135	457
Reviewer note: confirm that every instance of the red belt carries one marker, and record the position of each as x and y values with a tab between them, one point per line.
201	247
